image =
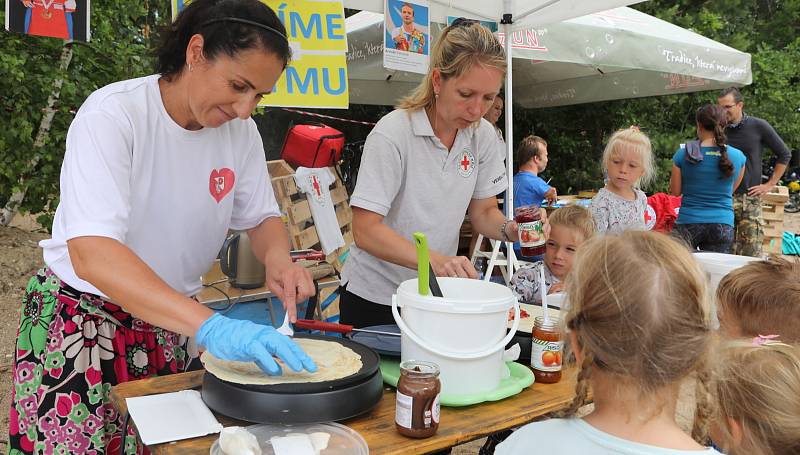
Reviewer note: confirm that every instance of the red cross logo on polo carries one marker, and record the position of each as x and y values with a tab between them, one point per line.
466	163
317	188
220	183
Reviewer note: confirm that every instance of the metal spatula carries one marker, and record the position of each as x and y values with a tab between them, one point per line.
286	327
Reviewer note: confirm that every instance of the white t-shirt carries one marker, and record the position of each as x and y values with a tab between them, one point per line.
169	194
576	437
315	183
410	178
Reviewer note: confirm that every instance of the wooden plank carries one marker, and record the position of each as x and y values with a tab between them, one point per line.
299	212
289	186
279	168
338	195
773	231
780	194
458	425
772	208
344	216
772	216
308	237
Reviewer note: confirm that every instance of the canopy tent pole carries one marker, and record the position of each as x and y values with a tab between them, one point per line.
506	22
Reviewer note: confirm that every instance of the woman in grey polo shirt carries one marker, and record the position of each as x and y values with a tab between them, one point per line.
426	165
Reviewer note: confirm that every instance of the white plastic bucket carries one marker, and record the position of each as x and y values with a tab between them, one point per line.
716	266
464	332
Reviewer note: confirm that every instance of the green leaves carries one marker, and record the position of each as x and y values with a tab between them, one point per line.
120	49
30	65
767	29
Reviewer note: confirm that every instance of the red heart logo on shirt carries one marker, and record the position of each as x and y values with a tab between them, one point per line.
220	183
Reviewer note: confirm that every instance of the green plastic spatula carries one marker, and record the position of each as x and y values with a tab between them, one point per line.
423	262
426	277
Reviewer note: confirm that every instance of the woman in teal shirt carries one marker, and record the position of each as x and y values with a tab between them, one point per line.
706	172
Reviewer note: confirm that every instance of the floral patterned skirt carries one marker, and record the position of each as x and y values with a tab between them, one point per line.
72	347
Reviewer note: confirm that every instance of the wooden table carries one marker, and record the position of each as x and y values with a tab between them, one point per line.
458	425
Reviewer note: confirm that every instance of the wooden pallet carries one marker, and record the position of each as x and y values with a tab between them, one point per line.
297	213
772	212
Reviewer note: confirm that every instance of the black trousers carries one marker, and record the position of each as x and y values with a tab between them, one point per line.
360	312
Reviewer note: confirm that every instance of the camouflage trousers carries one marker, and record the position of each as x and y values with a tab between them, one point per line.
749	225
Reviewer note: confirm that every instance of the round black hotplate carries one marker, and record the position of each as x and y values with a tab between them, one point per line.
370	363
311	402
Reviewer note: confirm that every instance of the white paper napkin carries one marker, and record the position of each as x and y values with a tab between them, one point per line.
172	416
293	445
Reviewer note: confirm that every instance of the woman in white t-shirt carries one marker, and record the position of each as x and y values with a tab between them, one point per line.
424	166
156	170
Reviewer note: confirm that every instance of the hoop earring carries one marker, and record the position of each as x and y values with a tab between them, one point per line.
190	67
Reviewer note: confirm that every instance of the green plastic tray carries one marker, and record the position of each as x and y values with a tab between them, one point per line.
521	377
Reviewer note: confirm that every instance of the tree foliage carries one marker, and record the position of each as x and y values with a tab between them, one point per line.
119	49
767	29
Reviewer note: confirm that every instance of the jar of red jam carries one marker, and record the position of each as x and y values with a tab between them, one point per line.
530	229
417	409
546	350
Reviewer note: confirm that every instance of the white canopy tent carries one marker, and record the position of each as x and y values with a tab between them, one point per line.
512	15
608	55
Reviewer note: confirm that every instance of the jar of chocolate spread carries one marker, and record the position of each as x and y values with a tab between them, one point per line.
417	409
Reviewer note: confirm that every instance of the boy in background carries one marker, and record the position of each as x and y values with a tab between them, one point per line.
529	188
761	298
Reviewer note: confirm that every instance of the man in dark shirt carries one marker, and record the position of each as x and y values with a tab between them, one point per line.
751	135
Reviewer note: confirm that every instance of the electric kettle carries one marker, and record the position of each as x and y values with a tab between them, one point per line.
239	264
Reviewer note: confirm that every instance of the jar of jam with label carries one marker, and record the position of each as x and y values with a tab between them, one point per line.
530	230
546	350
417	409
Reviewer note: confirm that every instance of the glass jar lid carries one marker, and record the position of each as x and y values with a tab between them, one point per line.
419	369
550	324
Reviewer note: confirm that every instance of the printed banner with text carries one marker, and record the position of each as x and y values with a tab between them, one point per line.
317	74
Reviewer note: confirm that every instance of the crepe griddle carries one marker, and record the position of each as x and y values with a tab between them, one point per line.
310	402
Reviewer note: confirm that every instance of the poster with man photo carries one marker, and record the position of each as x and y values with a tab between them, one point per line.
64	19
406	38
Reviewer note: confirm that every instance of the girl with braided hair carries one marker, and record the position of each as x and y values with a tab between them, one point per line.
706	172
638	323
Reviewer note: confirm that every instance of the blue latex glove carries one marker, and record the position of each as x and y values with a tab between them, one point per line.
245	341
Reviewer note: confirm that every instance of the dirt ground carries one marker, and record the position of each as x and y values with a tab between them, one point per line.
20	257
